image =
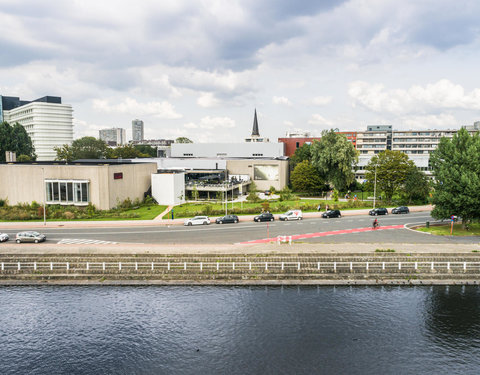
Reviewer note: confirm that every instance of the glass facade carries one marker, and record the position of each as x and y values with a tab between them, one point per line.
76	192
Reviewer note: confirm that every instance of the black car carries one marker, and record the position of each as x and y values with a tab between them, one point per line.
331	213
227	219
378	211
400	210
266	216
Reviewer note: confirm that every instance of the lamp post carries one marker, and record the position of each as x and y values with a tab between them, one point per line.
44	189
375	187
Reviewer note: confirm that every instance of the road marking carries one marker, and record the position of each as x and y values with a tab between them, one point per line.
74	241
323	234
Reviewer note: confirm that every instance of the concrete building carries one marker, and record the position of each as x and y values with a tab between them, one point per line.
102	184
137	130
113	136
48	122
227	150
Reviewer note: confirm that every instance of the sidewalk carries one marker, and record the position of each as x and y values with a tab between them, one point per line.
164	222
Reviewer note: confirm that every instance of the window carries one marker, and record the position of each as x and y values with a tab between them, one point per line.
297	144
67	192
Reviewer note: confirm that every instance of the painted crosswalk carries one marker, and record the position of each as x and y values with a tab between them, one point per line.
83	241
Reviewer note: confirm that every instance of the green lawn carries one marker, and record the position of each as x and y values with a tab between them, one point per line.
444	230
248	208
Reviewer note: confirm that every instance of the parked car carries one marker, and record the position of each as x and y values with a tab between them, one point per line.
267	192
197	220
30	237
4	237
331	213
378	211
227	219
265	216
400	210
292	215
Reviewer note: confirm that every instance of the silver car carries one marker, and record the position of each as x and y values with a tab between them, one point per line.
3	237
197	220
30	237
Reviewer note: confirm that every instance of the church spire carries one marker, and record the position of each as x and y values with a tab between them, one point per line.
255	131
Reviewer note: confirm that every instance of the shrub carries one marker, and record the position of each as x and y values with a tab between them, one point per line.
69	215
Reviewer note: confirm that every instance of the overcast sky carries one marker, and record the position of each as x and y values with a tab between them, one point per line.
199	68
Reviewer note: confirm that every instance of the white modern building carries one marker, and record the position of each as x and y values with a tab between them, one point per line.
113	136
48	122
137	130
227	150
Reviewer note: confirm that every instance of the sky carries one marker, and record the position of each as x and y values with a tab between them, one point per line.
200	68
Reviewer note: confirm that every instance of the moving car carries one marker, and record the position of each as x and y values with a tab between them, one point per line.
400	210
378	211
291	215
266	216
197	220
331	213
30	237
227	219
4	237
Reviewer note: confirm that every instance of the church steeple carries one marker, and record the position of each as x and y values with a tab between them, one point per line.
255	132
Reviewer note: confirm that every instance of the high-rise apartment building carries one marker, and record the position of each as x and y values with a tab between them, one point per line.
113	136
137	130
48	122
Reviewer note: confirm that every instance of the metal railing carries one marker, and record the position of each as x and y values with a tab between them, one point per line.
332	266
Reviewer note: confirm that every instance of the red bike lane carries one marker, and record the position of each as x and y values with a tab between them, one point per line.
321	234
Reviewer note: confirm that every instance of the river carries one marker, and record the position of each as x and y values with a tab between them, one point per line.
239	330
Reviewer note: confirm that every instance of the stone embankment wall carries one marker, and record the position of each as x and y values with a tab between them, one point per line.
379	268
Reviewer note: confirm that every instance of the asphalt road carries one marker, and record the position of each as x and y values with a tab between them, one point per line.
248	231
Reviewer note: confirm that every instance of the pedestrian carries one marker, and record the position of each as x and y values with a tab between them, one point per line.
326	207
319	207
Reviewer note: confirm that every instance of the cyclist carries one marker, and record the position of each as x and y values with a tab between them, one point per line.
375	223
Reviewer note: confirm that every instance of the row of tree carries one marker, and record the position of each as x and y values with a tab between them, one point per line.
15	138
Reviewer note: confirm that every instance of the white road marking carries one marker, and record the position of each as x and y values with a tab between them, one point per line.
74	241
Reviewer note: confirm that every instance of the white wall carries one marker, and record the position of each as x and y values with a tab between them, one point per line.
227	150
168	188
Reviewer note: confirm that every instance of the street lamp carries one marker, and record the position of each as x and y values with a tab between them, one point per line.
375	187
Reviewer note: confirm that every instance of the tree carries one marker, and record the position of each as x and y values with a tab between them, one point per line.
183	140
305	178
126	152
416	187
456	166
392	168
334	157
83	148
15	138
148	150
301	154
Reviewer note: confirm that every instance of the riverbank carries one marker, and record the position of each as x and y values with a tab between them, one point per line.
268	264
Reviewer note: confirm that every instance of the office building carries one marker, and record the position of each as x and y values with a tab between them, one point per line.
47	121
113	136
137	130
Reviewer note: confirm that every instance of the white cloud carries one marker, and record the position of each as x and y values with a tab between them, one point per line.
216	122
321	100
190	125
319	120
281	100
130	106
417	99
288	123
207	100
440	121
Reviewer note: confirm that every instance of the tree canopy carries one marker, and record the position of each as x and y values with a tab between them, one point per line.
456	166
83	148
302	153
305	178
334	157
146	149
15	138
126	152
416	187
183	140
392	170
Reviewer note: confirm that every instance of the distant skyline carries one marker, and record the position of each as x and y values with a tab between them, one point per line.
199	69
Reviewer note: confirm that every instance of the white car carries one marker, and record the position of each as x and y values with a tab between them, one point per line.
197	220
3	237
292	215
